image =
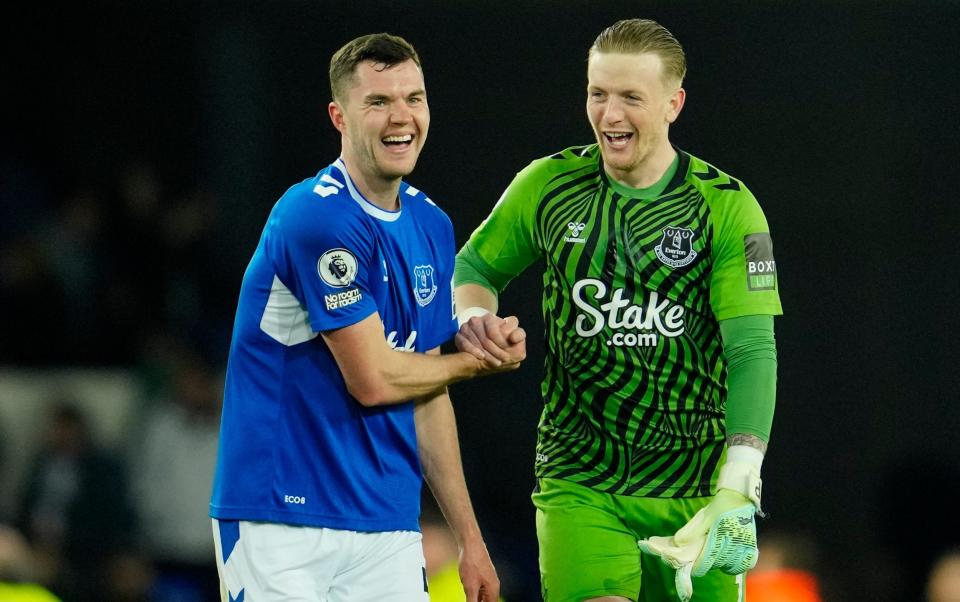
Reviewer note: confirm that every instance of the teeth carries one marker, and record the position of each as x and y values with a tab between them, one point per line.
406	138
617	135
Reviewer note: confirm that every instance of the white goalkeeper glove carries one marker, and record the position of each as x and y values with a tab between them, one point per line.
723	534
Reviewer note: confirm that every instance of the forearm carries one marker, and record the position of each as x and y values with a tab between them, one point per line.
751	356
439	450
405	376
376	374
470	295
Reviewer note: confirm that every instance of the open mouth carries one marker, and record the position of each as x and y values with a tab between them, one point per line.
397	142
617	139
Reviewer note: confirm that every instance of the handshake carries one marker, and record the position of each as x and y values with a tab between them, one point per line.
498	344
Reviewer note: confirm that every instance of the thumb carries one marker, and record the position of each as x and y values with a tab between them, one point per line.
694	530
517	336
656	545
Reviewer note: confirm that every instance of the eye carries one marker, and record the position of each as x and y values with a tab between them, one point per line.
596	95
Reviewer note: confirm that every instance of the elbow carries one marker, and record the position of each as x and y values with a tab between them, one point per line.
368	392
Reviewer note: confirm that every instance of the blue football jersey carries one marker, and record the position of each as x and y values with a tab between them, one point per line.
295	447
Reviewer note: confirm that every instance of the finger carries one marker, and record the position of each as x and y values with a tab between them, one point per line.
694	530
465	337
464	344
494	329
511	331
472	591
491	591
474	333
657	546
510	323
517	336
480	330
684	583
498	350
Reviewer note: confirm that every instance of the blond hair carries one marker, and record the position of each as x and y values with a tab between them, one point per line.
637	36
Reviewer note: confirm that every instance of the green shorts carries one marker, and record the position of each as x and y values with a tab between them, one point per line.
588	546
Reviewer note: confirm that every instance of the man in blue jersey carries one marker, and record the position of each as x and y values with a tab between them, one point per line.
335	406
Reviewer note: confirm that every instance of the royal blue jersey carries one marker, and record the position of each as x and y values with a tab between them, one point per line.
295	447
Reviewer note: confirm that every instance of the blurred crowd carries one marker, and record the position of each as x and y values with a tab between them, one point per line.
91	274
117	273
128	524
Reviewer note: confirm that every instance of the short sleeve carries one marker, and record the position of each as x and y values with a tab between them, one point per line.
326	258
744	275
505	241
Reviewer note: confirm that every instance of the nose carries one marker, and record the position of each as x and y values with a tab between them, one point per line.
613	111
399	112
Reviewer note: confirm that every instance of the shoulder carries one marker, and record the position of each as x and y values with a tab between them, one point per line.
574	166
423	206
731	205
318	204
317	195
572	161
716	185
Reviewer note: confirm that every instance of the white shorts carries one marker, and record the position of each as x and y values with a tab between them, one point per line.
271	562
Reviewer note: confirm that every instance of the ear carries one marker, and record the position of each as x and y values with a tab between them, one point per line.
676	104
336	116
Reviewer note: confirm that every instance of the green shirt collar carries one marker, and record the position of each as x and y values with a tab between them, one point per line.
650	192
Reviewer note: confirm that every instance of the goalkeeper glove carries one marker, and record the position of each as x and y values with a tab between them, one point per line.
723	534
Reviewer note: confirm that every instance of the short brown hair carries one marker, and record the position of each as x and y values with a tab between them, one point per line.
381	48
636	36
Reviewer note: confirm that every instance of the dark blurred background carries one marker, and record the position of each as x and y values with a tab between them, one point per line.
143	143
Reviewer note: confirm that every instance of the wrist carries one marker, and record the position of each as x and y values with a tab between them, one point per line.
741	473
745	453
471	312
466	366
467	534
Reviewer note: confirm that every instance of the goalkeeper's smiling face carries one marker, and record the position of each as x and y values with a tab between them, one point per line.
630	108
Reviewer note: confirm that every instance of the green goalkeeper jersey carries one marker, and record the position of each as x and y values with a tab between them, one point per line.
634	287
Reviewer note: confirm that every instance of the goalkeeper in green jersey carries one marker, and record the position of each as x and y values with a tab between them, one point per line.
659	293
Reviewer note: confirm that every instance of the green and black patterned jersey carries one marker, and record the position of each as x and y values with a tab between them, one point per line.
635	386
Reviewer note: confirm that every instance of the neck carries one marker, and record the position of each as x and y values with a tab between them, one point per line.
648	172
382	192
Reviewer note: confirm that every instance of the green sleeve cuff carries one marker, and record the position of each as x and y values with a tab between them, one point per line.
751	354
471	268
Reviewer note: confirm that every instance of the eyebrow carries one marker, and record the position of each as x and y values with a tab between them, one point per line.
373	97
623	92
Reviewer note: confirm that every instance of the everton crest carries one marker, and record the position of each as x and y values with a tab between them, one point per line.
676	247
424	286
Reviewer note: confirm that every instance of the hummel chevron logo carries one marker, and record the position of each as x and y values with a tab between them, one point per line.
710	174
743	520
713	174
576	228
731	185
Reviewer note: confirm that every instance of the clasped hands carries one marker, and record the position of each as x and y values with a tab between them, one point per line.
499	343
